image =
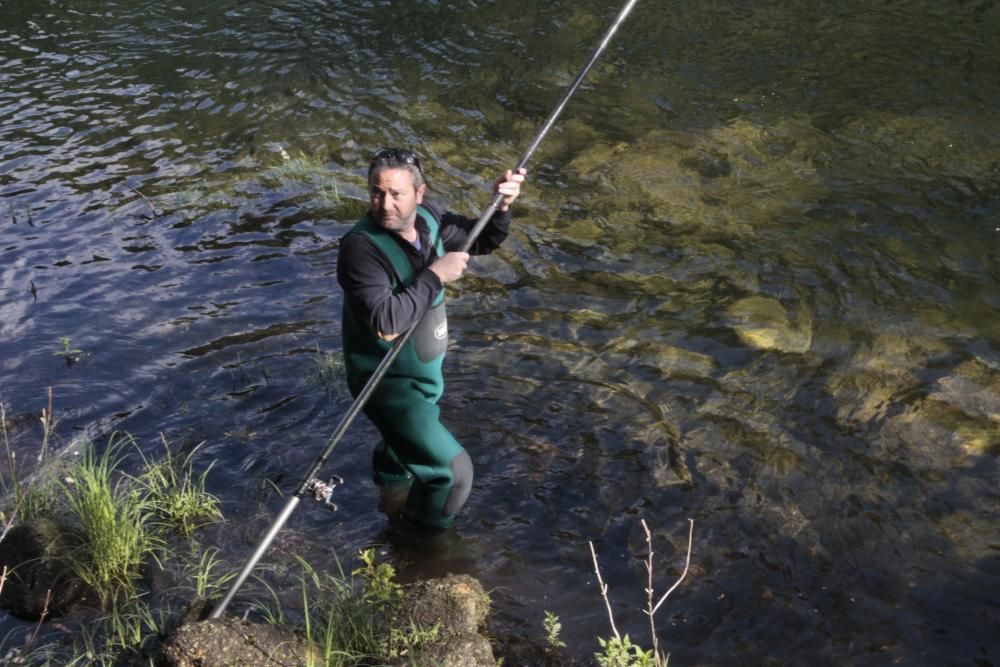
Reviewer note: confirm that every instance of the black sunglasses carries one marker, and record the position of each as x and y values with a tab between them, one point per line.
394	157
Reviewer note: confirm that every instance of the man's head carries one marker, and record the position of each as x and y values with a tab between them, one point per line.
395	187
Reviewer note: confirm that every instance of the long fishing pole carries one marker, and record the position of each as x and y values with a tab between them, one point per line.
390	357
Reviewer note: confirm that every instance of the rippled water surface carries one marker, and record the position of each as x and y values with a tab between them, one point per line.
754	281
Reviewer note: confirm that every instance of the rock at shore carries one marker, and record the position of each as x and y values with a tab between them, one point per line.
40	579
452	609
228	642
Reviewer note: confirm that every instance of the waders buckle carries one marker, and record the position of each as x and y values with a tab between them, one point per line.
323	491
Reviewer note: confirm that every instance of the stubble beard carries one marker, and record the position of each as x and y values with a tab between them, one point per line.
394	223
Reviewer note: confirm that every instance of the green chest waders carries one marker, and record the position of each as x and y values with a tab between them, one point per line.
404	404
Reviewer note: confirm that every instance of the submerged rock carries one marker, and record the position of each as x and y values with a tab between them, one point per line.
973	389
40	578
708	163
763	323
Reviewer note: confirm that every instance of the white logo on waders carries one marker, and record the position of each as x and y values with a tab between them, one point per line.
441	331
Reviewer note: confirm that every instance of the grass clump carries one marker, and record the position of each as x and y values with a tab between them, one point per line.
177	496
303	170
26	500
122	523
114	517
356	619
327	370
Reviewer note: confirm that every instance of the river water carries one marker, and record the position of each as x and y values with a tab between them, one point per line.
754	281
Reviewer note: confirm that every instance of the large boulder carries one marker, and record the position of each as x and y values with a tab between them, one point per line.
450	611
40	579
458	606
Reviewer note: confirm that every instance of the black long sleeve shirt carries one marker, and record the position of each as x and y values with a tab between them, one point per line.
366	276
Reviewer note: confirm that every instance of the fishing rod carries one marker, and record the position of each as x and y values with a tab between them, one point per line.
309	481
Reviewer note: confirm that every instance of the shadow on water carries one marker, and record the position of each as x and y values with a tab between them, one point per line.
753	282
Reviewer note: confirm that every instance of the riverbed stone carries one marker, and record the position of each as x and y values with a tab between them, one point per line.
457	606
763	323
972	388
229	642
40	578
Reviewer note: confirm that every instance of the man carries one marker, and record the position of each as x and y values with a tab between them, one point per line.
393	266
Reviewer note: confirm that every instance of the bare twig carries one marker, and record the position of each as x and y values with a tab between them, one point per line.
41	619
604	590
651	608
145	199
7	523
47	425
687	565
649	592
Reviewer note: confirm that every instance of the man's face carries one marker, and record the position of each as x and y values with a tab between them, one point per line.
394	199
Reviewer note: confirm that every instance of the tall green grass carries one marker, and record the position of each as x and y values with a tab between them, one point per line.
133	512
115	519
354	619
125	523
177	495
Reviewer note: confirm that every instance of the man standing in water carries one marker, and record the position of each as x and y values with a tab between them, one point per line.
393	266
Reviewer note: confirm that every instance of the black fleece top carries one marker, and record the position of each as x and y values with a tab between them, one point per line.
366	276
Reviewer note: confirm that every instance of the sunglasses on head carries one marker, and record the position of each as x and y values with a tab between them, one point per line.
394	157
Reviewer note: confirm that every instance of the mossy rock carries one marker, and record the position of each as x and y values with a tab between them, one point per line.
228	642
456	602
457	606
464	650
40	578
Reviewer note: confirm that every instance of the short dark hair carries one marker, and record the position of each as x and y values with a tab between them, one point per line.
397	158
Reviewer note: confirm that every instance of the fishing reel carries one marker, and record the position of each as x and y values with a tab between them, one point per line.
323	491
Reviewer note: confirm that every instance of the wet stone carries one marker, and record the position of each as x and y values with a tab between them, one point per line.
458	606
708	163
40	579
226	642
763	323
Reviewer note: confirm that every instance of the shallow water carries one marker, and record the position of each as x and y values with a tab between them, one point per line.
754	282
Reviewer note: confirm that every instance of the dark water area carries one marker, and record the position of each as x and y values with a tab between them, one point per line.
754	281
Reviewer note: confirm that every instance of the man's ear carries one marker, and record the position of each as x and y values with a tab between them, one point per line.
420	193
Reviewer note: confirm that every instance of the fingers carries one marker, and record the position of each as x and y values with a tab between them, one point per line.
450	266
518	177
509	186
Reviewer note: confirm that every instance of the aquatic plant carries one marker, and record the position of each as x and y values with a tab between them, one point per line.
553	628
207	583
308	170
327	370
70	354
177	496
354	619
